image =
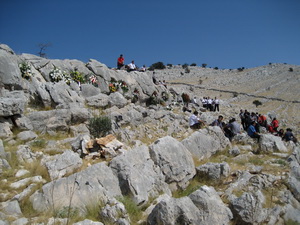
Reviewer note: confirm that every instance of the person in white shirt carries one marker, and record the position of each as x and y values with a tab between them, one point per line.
217	103
194	121
131	66
209	104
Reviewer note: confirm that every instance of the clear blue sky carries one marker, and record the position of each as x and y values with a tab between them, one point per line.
222	33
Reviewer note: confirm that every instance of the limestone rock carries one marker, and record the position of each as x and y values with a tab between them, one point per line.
87	187
270	143
211	206
138	175
174	160
25	154
63	164
27	136
214	171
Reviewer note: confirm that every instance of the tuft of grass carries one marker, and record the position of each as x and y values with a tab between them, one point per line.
194	185
134	212
37	169
38	144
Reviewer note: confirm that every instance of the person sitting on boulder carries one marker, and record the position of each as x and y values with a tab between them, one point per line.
195	122
131	66
252	131
232	129
289	136
218	122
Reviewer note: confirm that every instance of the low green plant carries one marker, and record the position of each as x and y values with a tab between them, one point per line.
25	70
99	126
134	212
77	76
257	103
193	64
158	66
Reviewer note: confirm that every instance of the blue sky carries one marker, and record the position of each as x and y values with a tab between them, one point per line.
222	33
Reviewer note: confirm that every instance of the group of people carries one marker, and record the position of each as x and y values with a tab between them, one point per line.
130	67
251	123
211	104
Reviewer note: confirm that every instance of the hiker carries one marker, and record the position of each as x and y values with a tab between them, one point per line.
289	136
262	120
120	62
216	104
131	66
275	124
154	78
143	69
252	131
218	122
195	122
232	129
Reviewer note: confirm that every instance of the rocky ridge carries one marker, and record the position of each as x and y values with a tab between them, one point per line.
172	174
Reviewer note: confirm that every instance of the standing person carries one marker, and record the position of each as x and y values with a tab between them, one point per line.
154	78
275	124
209	104
217	103
120	62
204	102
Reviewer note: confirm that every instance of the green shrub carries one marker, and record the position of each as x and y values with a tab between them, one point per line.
257	103
77	76
99	126
193	64
185	66
170	65
204	65
158	66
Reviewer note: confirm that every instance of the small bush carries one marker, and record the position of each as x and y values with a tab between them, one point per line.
170	65
291	69
193	64
204	65
99	126
257	103
185	66
158	66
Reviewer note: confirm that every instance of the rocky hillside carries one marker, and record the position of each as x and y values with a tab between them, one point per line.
85	144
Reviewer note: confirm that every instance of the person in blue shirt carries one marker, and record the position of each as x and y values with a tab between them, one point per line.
252	131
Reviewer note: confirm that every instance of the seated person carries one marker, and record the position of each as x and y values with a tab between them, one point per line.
252	131
232	129
194	121
218	122
131	66
143	68
288	136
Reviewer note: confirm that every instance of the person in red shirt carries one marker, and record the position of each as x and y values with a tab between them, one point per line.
275	124
262	120
120	62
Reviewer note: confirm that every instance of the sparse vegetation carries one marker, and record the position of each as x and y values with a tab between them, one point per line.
193	64
157	66
257	103
99	126
204	65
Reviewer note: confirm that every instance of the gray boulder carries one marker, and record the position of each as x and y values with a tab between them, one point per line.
81	189
63	164
25	155
14	104
211	206
88	222
175	161
27	136
6	126
10	74
99	101
214	171
113	211
117	99
11	209
176	211
206	142
138	175
50	121
269	143
294	178
248	209
89	90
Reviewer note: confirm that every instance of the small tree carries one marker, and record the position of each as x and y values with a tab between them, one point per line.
193	64
43	47
291	69
99	126
204	65
257	103
158	66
